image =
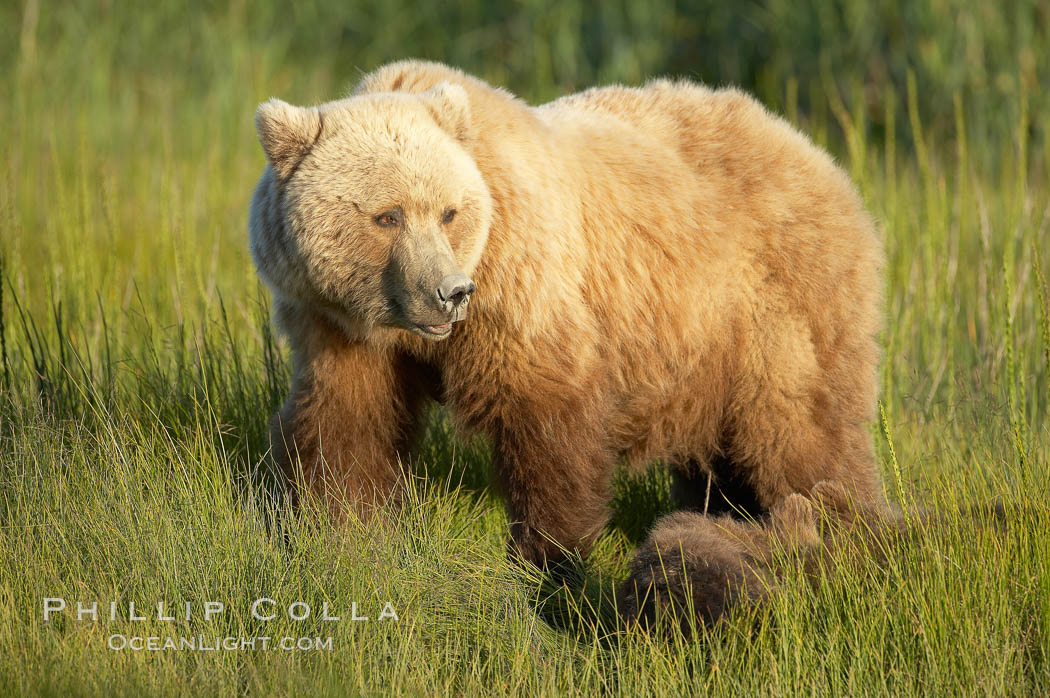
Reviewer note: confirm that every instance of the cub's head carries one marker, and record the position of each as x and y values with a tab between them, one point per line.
371	210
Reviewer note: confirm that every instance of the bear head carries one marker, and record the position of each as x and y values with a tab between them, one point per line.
371	209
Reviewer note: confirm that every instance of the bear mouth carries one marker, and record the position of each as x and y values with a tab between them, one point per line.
434	331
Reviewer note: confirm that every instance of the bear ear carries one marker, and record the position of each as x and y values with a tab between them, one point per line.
450	106
286	133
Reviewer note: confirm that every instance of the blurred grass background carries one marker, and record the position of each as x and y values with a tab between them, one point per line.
139	369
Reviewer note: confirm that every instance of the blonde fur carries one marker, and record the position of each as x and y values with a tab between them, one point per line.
667	273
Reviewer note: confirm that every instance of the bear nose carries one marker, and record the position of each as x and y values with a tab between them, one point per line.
454	289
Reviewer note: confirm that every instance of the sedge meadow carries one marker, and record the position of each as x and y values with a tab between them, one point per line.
139	366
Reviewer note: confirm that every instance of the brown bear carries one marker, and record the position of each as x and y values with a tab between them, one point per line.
665	273
694	568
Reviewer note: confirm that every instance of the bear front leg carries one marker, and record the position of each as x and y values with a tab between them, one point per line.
341	431
556	470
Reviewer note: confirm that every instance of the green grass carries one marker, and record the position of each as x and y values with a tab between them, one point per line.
139	370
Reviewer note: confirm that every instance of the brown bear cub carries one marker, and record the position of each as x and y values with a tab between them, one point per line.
664	273
693	567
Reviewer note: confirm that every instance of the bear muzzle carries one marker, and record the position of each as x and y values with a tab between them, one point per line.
427	288
452	296
454	291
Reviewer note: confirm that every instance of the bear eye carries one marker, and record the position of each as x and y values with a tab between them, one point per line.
388	219
448	216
